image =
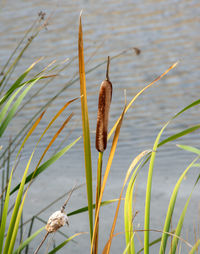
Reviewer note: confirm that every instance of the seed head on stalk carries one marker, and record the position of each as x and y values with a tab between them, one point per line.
105	97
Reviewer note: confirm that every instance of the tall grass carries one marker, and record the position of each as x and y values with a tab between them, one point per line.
12	101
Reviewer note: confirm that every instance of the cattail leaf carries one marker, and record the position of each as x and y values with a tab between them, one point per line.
14	108
132	166
179	134
195	247
17	211
5	213
190	149
17	83
171	208
85	208
19	195
65	242
85	126
5	108
180	222
11	235
46	164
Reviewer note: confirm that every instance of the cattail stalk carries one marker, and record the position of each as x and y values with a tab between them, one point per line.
105	96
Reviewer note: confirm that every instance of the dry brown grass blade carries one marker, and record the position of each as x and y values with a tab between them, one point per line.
134	98
151	230
54	138
109	163
31	131
59	113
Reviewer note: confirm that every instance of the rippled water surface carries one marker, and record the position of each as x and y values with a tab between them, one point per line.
166	32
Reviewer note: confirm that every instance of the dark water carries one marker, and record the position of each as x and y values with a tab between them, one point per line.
165	31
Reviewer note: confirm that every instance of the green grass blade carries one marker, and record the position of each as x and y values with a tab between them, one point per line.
65	242
28	240
129	171
195	247
128	214
128	245
180	222
85	208
171	208
197	165
46	164
153	242
179	134
150	244
86	130
5	212
19	213
149	180
17	83
14	109
148	192
16	209
17	200
5	108
190	149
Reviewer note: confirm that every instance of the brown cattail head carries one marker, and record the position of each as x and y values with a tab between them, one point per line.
105	97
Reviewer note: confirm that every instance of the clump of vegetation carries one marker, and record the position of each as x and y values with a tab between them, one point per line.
11	102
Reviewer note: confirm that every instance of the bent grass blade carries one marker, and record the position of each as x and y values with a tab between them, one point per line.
65	242
180	222
138	94
47	163
132	166
171	207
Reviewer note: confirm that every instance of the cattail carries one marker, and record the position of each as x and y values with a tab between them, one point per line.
56	221
105	97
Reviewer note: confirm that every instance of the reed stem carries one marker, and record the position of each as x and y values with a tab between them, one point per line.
98	191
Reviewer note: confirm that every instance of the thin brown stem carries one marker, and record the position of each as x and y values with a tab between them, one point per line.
45	237
108	69
64	206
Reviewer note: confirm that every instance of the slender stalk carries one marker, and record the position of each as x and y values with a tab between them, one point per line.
38	248
108	69
98	191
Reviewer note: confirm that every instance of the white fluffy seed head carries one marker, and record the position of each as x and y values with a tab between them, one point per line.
56	221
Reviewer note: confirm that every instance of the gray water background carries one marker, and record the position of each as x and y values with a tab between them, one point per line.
165	31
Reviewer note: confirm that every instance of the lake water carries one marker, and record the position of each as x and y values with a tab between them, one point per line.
165	31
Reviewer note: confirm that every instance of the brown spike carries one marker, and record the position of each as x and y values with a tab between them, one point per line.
105	97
